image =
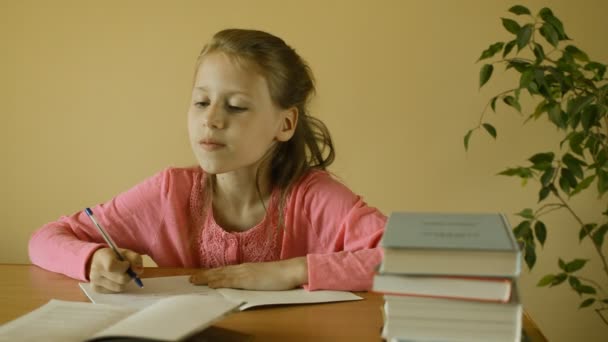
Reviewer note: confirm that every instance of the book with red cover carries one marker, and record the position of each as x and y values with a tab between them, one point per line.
464	288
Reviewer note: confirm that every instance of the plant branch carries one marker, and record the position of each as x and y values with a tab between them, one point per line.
594	283
556	205
483	112
600	314
597	248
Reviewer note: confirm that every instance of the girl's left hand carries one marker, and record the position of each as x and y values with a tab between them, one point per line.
274	275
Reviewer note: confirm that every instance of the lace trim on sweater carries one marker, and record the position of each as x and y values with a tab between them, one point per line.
211	242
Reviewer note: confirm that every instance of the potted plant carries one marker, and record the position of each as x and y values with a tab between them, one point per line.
570	92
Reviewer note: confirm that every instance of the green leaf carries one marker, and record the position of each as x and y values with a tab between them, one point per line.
522	230
555	112
541	107
526	77
548	17
575	265
547	31
530	256
561	264
539	53
543	193
564	184
519	10
511	101
574	165
587	289
587	302
522	172
593	144
533	88
540	230
578	103
518	65
602	181
543	160
511	25
527	213
569	177
523	36
590	117
493	103
574	283
547	177
491	130
508	47
485	74
491	50
576	53
598	235
559	279
598	68
574	120
576	142
585	231
584	184
466	139
546	280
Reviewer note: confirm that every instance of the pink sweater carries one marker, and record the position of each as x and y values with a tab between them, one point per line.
165	218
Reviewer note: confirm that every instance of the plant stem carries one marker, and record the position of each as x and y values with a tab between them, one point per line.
483	112
548	205
601	316
597	248
594	283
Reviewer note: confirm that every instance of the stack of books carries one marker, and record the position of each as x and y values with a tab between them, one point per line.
449	277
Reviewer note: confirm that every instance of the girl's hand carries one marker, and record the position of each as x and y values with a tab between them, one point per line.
275	275
108	274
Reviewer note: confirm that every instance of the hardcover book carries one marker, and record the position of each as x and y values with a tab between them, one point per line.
466	244
464	288
435	319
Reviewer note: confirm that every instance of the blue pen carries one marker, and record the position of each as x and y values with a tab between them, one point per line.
113	246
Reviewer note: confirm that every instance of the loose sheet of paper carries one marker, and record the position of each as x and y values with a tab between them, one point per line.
153	290
161	287
62	321
298	296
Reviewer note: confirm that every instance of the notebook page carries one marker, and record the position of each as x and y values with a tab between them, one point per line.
62	321
172	318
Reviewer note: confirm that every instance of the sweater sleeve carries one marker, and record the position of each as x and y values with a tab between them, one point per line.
65	246
345	253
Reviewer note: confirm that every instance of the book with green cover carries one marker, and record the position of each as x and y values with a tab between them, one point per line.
469	244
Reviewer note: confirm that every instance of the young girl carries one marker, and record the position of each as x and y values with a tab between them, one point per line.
259	211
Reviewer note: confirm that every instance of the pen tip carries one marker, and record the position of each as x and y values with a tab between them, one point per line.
88	211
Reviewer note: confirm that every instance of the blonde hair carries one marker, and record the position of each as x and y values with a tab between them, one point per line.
291	84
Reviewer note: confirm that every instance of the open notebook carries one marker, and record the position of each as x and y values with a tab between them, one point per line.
157	288
166	309
170	319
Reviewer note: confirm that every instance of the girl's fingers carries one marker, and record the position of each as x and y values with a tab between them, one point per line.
106	285
134	260
121	278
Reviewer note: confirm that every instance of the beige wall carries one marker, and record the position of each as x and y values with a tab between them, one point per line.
93	97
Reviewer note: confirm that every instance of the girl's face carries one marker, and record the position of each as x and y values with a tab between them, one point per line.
232	121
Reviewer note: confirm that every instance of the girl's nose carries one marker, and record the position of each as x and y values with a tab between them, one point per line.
213	117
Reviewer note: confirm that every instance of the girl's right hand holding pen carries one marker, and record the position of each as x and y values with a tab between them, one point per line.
107	273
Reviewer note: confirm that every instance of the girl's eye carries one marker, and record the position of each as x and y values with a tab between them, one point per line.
201	104
236	109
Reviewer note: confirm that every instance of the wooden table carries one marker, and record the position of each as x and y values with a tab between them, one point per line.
24	288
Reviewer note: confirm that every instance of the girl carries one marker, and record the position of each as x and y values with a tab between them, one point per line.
259	211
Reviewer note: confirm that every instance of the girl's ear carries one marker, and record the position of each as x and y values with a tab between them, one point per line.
289	122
